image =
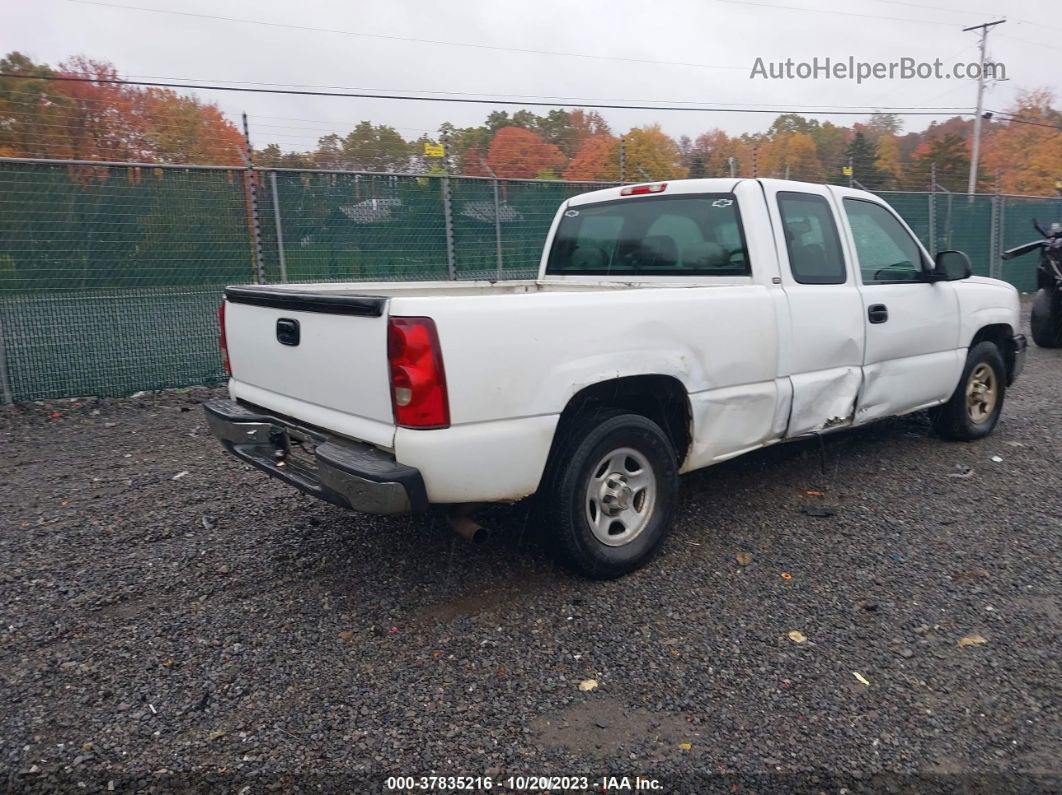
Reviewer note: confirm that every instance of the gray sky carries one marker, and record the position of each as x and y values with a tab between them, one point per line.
721	37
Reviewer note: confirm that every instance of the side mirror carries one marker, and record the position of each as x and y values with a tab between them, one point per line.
950	266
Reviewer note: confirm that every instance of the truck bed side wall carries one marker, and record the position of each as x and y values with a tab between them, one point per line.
720	342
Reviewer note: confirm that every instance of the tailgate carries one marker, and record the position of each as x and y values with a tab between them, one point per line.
319	357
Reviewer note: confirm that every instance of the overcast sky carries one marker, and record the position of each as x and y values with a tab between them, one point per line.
715	41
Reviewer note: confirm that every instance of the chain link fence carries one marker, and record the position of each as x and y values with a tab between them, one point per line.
110	274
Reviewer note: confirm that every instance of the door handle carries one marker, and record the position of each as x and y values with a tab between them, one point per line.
877	313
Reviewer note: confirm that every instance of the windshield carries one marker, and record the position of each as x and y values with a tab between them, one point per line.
691	234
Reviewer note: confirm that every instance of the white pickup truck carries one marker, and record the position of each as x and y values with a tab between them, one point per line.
672	326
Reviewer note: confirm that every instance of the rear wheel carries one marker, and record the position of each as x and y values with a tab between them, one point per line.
974	407
1046	319
609	492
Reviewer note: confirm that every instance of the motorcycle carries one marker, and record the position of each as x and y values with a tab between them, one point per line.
1046	320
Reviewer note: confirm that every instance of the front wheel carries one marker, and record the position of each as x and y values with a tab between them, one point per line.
609	492
974	407
1046	318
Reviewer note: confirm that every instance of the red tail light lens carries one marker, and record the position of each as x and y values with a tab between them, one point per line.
640	190
418	382
223	342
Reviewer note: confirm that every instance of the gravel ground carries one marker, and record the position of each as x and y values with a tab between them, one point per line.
174	619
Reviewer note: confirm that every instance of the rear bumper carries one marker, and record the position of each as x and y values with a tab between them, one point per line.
1019	350
336	470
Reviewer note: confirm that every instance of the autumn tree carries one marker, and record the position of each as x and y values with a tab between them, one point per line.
888	162
92	118
949	154
791	155
102	119
1028	157
474	163
711	154
30	109
802	158
650	154
588	123
594	160
518	153
182	129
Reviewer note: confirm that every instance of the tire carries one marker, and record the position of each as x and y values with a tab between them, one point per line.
1046	319
609	492
974	408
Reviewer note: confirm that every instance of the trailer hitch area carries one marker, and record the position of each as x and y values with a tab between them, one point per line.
278	437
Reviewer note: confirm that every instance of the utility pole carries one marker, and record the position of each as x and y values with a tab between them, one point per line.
730	161
622	159
976	153
851	171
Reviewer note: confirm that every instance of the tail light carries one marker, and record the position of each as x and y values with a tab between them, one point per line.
223	343
639	190
418	382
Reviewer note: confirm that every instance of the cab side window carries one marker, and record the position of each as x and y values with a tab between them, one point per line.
886	252
811	238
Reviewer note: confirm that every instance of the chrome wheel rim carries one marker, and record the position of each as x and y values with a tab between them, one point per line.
981	393
620	497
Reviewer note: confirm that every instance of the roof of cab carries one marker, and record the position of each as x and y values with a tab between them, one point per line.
708	185
712	185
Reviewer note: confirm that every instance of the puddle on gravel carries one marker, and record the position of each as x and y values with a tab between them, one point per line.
489	601
602	726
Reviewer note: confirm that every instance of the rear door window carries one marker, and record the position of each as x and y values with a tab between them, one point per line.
652	236
815	255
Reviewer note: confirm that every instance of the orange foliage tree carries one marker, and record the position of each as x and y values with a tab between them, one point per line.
516	153
1027	157
650	154
593	159
97	120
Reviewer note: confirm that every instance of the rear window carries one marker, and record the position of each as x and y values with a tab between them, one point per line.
653	236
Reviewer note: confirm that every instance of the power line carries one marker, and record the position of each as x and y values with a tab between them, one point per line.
916	111
964	12
1007	117
387	37
868	108
812	11
1029	41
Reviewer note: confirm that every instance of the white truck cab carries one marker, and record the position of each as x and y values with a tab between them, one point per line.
671	326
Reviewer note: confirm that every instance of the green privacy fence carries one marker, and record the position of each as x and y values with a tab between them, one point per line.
110	274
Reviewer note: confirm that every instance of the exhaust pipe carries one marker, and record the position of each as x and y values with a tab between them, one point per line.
461	522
